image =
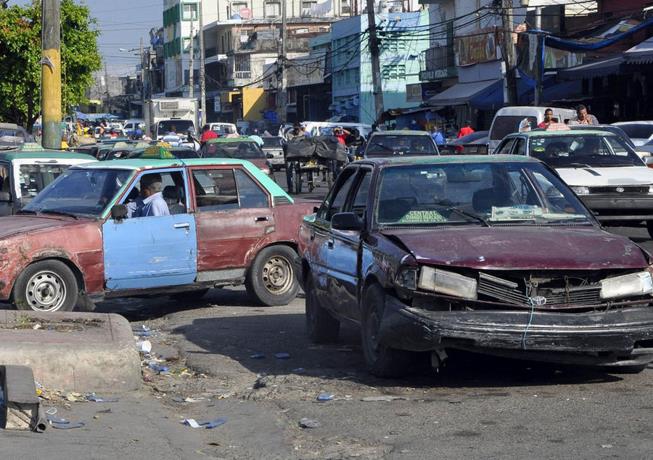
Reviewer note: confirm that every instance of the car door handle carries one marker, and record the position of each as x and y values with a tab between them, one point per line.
182	225
262	219
330	243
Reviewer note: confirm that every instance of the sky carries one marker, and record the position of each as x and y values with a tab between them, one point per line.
122	23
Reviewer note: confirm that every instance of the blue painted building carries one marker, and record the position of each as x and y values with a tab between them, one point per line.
401	43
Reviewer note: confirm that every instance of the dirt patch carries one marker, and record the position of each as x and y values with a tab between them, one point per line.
24	322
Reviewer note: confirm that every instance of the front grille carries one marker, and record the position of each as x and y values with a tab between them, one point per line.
622	189
512	293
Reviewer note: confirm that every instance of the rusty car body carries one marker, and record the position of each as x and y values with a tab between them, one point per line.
228	224
484	254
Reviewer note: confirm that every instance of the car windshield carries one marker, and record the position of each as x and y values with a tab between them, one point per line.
588	150
35	177
638	130
174	126
506	193
84	192
272	142
400	145
241	150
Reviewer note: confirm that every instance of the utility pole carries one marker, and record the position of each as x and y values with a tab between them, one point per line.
508	51
191	72
145	76
51	73
204	118
539	60
282	111
377	87
107	93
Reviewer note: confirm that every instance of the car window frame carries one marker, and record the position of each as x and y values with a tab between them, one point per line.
232	167
504	142
363	170
342	179
136	178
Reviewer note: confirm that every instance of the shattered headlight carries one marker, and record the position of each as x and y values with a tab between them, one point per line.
446	282
407	278
632	284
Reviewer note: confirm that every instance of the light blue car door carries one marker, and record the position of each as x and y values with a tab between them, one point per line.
154	251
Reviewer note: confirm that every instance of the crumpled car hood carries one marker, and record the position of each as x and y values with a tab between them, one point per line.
521	248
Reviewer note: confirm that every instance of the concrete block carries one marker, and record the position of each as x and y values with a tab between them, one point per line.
20	407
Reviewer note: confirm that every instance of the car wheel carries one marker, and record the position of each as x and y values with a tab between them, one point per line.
321	327
46	286
271	278
381	360
190	296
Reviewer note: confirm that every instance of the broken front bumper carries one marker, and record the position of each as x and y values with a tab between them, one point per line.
611	338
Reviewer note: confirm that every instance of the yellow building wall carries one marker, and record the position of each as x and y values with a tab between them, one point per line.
253	103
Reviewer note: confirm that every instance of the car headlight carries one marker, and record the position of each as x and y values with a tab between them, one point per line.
650	189
632	284
581	190
445	282
407	278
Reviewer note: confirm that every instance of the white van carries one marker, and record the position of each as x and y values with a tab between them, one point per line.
507	121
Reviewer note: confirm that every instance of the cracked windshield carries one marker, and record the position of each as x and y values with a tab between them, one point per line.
485	194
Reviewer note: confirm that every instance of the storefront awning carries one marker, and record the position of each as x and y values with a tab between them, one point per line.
601	68
463	93
640	54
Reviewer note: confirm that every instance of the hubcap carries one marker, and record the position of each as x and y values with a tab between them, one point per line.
45	291
277	275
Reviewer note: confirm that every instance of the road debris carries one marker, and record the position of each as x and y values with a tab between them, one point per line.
209	425
257	356
142	331
309	423
63	424
260	382
323	397
94	398
282	355
385	398
144	346
158	368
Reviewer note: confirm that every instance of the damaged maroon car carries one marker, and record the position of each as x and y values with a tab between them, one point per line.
485	254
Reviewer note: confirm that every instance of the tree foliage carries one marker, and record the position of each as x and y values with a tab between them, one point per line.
20	57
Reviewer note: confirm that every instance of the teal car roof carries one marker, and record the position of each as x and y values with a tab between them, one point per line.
138	165
44	155
571	132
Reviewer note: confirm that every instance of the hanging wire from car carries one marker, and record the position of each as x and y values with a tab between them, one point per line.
528	325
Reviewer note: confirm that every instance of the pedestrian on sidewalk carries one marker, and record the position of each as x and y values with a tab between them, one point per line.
466	129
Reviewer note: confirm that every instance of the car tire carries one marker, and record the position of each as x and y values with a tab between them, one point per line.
191	296
321	327
382	361
46	286
271	278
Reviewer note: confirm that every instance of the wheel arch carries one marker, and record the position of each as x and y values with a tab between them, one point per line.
79	277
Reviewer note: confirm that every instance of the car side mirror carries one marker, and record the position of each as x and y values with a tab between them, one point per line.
269	156
119	212
346	221
5	197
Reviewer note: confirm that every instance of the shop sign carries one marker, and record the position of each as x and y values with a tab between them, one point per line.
473	49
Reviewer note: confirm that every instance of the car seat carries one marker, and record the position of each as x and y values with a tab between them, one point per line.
173	199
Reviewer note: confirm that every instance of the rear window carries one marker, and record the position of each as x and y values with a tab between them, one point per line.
241	150
400	144
175	126
504	125
271	142
638	130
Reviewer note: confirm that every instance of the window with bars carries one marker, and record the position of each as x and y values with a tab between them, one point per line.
393	72
189	12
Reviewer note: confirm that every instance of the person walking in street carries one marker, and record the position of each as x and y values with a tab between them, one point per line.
207	134
548	119
466	129
583	117
293	168
437	136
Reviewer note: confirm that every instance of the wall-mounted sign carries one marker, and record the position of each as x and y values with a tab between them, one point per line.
480	47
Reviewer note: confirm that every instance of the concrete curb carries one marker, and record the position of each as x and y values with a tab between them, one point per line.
81	352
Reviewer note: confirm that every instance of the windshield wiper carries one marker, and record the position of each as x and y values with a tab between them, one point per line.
576	165
471	215
55	212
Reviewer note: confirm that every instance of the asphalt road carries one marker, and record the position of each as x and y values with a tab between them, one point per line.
475	407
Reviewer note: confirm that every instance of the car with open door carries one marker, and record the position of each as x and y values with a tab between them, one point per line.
489	254
226	223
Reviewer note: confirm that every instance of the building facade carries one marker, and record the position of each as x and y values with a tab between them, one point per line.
401	42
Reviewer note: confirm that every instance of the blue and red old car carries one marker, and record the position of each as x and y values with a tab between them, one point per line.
228	223
487	254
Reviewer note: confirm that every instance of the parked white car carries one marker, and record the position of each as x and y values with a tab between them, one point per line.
603	170
640	132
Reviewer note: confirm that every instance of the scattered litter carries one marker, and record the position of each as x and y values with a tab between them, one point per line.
51	411
143	331
261	382
282	355
257	356
607	446
36	327
325	397
193	400
309	423
158	368
144	346
74	397
104	411
94	398
191	422
386	398
63	424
